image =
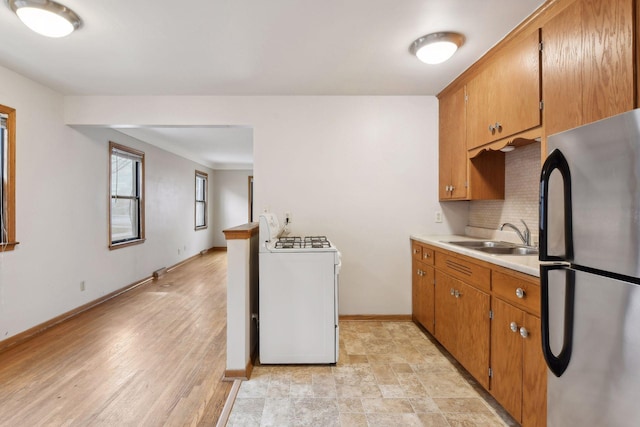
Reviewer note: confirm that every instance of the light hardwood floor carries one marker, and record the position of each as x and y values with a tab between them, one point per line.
152	356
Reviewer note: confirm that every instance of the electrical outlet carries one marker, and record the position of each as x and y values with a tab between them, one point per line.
438	216
82	286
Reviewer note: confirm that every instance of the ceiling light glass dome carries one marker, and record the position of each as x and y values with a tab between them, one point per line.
46	17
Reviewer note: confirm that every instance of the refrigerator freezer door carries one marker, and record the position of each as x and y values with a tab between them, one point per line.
601	384
604	163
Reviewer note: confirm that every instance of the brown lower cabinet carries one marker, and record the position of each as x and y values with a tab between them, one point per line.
462	324
423	295
518	378
487	317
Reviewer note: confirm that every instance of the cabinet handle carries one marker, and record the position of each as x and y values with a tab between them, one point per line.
452	291
498	127
415	251
457	294
520	293
426	255
513	326
523	332
492	128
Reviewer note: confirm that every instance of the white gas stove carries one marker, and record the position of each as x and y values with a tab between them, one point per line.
298	296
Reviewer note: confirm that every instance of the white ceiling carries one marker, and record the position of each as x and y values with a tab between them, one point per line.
254	47
219	147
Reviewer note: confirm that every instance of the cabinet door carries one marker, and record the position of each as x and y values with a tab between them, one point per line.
415	289
608	58
506	356
587	63
517	71
473	332
561	71
534	381
480	108
423	296
446	328
452	146
504	99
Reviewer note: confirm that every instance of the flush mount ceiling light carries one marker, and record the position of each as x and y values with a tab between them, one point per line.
46	17
435	48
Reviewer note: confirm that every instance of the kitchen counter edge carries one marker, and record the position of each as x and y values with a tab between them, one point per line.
527	264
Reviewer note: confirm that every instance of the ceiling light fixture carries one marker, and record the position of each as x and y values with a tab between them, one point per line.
435	48
46	17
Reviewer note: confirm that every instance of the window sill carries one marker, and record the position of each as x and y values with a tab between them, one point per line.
204	227
113	246
9	246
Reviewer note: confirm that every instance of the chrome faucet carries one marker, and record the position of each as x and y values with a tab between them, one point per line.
526	237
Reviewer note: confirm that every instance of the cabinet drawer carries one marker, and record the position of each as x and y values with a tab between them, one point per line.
421	253
473	274
416	250
427	255
523	293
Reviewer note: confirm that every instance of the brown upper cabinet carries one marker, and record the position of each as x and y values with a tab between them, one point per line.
461	178
504	98
587	63
453	147
575	59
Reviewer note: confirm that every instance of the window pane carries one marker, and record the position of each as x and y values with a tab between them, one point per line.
124	219
200	214
200	188
123	176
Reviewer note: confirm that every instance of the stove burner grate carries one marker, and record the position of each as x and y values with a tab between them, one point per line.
296	242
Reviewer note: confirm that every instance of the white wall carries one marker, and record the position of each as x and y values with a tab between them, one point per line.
362	170
61	213
230	202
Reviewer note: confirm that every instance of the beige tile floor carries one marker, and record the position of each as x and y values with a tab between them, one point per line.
388	374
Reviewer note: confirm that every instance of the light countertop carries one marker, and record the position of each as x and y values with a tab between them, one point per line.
527	264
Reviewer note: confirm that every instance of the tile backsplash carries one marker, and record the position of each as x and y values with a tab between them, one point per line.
522	177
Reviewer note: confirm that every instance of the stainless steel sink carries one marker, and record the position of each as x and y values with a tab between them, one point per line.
496	248
517	250
475	244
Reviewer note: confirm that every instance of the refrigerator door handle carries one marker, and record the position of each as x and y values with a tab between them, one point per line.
557	364
556	160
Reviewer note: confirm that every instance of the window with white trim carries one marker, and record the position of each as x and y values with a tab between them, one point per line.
201	200
7	172
126	193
